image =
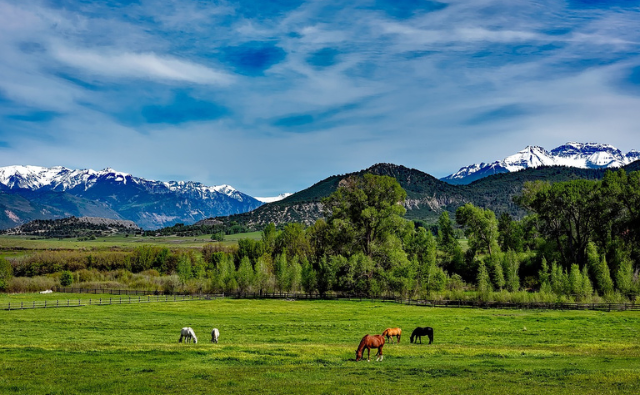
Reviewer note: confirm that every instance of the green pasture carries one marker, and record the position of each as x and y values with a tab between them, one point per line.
278	346
17	245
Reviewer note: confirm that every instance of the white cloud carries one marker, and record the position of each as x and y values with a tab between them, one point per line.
140	65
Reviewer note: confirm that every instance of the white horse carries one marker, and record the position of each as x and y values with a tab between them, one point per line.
215	334
187	333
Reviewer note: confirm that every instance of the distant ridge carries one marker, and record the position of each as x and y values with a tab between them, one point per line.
74	227
572	154
33	192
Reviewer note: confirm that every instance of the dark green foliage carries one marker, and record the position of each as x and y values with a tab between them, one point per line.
481	227
6	272
66	278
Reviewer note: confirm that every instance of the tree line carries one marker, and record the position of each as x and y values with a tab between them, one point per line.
580	241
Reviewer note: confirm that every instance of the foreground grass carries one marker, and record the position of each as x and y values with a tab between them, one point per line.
308	347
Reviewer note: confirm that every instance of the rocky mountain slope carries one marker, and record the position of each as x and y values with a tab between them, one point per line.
427	197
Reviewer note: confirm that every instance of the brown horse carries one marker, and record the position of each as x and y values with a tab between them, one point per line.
391	332
369	342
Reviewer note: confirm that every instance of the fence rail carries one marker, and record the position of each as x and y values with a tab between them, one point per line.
125	296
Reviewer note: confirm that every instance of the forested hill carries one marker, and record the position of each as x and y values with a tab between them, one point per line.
427	197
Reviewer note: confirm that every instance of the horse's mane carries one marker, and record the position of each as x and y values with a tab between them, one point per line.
363	342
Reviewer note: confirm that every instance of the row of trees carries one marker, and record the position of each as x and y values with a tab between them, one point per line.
581	239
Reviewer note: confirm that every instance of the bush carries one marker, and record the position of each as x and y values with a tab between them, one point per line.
30	284
66	278
6	272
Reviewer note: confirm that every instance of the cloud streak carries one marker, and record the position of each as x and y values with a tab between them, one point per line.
270	97
140	65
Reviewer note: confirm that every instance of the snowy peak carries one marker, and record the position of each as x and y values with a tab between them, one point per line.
571	154
274	198
62	179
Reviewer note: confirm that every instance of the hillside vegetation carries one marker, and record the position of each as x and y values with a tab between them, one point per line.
427	197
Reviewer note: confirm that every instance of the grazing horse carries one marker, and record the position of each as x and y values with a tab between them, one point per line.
419	332
215	334
391	332
369	342
188	334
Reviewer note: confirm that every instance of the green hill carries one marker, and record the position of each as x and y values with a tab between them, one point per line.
427	197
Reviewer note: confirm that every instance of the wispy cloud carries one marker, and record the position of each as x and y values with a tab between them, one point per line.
292	91
140	65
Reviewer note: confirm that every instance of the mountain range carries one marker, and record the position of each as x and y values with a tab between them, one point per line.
38	193
32	192
579	155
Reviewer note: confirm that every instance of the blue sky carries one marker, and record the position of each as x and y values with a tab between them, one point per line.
273	96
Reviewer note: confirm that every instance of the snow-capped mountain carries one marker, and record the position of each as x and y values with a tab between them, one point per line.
580	155
274	198
149	203
61	179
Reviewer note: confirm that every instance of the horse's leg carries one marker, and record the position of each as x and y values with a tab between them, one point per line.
368	354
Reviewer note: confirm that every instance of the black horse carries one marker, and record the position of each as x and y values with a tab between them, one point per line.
419	332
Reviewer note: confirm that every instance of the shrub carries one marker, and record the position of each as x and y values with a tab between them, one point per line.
66	278
30	284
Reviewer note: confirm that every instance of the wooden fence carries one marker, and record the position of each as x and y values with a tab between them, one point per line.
44	304
125	296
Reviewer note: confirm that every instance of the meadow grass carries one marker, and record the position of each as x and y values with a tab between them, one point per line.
277	346
12	246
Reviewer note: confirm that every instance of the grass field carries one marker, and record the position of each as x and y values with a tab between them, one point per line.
277	346
16	245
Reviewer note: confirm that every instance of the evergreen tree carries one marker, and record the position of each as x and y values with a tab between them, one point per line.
269	235
587	288
184	268
66	278
599	269
575	280
245	275
624	277
295	274
484	282
262	273
494	265
559	279
543	276
511	266
281	269
309	277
